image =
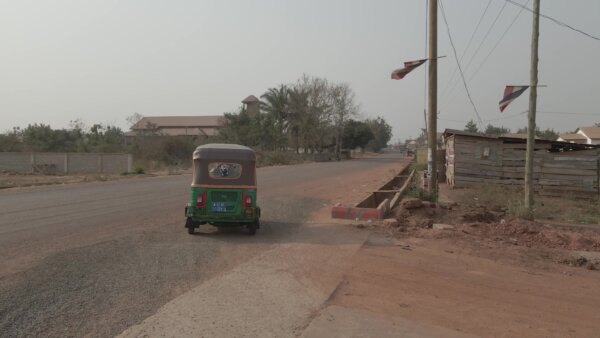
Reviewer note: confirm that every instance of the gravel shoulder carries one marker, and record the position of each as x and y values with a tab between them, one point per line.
273	295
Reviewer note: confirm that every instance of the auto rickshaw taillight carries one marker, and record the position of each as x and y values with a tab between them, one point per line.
247	200
201	200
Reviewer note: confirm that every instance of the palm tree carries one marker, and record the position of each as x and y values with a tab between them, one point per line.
276	103
298	102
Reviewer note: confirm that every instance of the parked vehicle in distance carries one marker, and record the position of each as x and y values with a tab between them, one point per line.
223	190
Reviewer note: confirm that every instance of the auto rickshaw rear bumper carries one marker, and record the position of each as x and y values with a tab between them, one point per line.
200	215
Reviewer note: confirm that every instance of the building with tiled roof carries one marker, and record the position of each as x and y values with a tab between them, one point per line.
251	105
204	126
591	134
572	137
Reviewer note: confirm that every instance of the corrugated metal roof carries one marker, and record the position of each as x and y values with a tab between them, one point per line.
448	132
518	135
557	144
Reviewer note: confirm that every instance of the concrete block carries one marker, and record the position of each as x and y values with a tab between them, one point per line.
390	222
441	226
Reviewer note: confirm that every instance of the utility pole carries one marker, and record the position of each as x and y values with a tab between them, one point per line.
529	186
432	100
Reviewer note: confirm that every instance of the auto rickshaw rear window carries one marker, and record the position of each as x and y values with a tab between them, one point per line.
224	170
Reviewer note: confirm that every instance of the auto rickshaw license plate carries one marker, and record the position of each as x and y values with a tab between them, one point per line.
219	207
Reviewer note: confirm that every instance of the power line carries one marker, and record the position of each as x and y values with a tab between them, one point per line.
450	120
487	120
499	40
560	23
566	113
495	46
505	117
468	45
522	113
481	44
486	35
462	75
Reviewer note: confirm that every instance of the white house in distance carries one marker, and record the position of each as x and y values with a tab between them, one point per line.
572	137
583	135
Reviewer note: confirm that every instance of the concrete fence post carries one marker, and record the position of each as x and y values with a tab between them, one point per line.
32	160
129	163
66	159
100	164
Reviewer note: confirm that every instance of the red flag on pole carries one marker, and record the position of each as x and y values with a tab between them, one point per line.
510	94
399	74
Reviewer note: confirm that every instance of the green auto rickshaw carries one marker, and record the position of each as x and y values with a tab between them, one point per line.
223	188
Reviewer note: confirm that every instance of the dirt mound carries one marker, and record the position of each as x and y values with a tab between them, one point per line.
413	213
531	234
480	215
419	217
486	224
581	261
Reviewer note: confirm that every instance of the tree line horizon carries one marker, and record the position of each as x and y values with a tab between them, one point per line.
312	114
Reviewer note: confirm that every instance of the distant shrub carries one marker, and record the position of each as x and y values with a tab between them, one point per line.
269	158
422	194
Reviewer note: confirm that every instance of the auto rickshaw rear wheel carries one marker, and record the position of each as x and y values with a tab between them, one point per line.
253	226
189	224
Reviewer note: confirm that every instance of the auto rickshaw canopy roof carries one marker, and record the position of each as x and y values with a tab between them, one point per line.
221	151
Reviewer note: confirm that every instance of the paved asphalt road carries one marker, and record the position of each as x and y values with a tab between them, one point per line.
95	258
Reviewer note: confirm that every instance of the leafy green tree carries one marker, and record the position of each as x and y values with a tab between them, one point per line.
357	134
498	131
255	131
471	126
343	108
105	139
297	118
11	140
134	119
547	134
275	103
176	150
237	129
382	133
308	115
41	137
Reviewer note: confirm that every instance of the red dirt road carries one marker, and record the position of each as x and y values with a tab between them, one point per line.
481	291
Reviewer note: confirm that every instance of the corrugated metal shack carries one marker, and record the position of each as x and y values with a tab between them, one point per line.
559	167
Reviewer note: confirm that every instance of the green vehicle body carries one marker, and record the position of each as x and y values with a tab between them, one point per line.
223	190
223	206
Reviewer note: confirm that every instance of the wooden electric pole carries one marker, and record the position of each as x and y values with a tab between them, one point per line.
432	101
529	158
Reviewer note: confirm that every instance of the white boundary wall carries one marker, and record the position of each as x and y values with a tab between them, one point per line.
65	163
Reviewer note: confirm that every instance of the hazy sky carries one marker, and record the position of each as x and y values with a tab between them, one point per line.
102	61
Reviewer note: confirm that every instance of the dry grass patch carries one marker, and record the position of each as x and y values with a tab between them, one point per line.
567	208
